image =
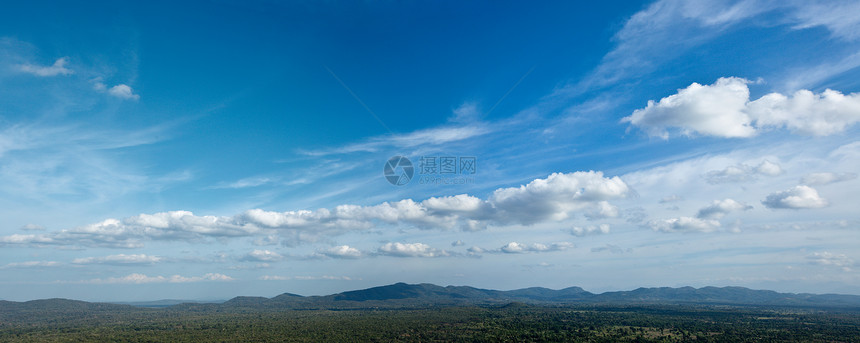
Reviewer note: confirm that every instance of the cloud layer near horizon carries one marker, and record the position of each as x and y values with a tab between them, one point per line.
552	199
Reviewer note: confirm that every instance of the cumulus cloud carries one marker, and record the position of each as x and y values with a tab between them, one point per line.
137	278
258	255
411	250
743	172
720	208
519	248
589	230
807	113
457	243
685	224
724	109
343	251
123	91
555	198
119	259
711	110
798	197
58	68
816	179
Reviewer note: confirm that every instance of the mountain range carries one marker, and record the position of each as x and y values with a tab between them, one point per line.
402	295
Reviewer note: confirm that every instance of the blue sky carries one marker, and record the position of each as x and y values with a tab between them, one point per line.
211	149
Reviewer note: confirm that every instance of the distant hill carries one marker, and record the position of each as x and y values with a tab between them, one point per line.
402	295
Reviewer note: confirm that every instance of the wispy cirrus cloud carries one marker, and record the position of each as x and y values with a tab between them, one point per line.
58	68
826	178
120	259
425	137
31	264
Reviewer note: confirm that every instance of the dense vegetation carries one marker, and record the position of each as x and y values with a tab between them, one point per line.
73	322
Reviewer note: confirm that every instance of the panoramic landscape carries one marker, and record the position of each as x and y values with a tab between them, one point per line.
652	171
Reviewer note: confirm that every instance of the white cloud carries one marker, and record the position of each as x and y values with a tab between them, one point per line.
518	248
245	183
742	172
710	110
724	109
556	197
119	259
795	198
815	179
685	224
466	113
768	168
667	28
475	250
262	256
343	251
830	259
589	230
58	68
123	91
457	243
411	250
720	208
31	264
41	239
137	278
425	137
807	113
839	17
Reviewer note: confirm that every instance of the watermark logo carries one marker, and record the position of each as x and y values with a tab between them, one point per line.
398	170
432	170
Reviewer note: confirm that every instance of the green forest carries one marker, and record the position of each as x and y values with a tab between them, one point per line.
513	322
